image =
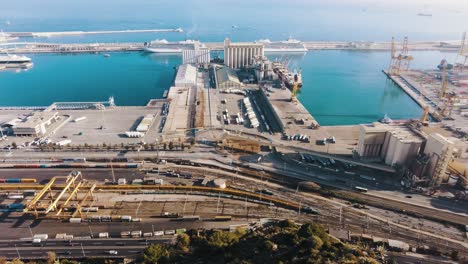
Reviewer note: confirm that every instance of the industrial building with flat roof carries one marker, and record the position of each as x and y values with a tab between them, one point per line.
394	144
36	124
186	76
226	77
241	54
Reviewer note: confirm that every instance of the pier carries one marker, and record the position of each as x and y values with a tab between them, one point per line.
37	47
79	32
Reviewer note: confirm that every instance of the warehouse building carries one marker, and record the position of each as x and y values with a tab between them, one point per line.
394	144
36	124
186	76
226	77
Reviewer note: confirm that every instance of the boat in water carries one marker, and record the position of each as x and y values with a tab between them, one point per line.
285	46
424	14
107	55
385	120
164	46
15	61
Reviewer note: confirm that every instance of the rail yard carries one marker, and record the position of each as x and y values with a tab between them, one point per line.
231	146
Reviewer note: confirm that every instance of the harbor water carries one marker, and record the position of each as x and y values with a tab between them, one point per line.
340	87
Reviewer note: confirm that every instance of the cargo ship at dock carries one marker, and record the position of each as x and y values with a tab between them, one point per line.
286	77
287	46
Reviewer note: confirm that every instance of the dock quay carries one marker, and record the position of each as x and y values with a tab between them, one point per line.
410	88
35	47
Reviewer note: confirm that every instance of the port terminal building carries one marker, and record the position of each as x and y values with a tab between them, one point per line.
36	124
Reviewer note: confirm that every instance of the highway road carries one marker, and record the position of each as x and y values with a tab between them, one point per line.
78	248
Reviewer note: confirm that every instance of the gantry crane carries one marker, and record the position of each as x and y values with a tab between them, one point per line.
443	89
400	61
463	53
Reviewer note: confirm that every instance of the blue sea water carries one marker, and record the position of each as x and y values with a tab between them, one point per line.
340	87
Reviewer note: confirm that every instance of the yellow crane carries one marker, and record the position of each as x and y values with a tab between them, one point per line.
463	52
443	89
425	114
295	89
400	61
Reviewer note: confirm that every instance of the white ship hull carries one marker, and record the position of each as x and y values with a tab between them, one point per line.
286	50
162	50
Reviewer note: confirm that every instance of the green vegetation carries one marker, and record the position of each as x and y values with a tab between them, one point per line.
282	242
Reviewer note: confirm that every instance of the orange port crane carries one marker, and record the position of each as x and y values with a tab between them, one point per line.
443	89
425	114
463	52
400	61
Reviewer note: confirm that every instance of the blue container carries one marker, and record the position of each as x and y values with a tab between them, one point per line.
15	206
13	180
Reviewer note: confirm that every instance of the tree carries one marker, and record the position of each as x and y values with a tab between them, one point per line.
171	145
183	241
51	256
221	239
182	146
16	261
13	145
192	141
154	253
165	146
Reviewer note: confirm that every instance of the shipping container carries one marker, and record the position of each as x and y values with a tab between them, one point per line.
13	180
75	220
103	235
28	180
169	232
126	218
135	234
41	236
89	209
137	182
16	206
158	233
125	234
181	231
15	196
221	218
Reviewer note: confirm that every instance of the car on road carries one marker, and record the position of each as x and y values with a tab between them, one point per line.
409	196
65	253
112	252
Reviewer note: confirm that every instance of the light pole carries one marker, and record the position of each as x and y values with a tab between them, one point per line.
17	252
90	231
82	250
